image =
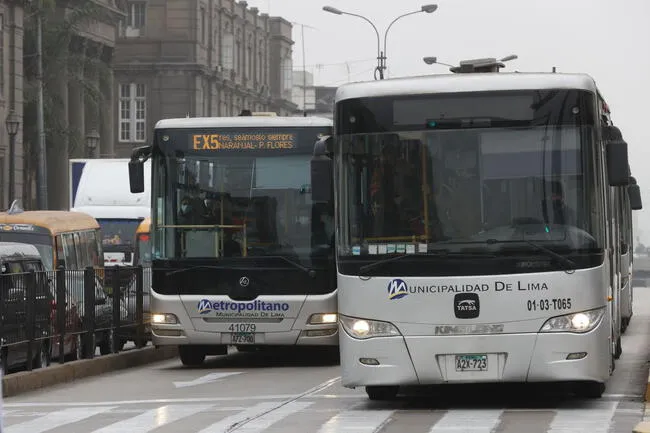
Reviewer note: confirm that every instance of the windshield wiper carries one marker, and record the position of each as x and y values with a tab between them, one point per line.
193	268
306	270
435	253
569	265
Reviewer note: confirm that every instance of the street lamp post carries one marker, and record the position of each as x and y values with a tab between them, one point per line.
92	141
12	123
381	54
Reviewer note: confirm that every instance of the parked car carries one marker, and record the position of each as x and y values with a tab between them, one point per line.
18	290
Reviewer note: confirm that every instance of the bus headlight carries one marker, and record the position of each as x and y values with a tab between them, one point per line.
322	319
581	322
164	319
363	328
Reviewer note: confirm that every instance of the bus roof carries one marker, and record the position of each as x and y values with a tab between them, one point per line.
454	83
18	250
144	227
54	220
243	122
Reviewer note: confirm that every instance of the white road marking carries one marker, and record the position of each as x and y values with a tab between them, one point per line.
55	419
204	380
593	420
468	421
153	419
357	421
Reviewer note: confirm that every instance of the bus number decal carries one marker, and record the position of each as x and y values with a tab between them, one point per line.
549	304
242	327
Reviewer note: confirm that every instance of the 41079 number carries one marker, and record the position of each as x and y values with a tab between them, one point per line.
553	304
242	327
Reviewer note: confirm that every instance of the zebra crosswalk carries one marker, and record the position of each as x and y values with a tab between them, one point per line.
316	415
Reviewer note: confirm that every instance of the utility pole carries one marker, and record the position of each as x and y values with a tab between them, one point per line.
40	121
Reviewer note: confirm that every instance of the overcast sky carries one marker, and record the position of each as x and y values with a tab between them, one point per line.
610	40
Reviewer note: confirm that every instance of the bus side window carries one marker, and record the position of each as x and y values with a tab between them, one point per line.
99	248
90	247
69	251
80	250
60	254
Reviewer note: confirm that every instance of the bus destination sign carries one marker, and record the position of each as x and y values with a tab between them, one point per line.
244	141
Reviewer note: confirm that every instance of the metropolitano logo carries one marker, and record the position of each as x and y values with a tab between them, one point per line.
397	289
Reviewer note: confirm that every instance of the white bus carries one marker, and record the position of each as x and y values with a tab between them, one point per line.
242	254
100	188
630	201
476	231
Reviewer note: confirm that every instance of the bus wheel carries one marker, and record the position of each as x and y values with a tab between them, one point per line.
382	392
590	390
191	356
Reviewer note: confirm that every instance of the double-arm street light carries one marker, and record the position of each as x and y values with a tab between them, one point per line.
381	54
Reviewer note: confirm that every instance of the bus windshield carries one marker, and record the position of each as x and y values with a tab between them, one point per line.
499	185
42	242
239	201
118	235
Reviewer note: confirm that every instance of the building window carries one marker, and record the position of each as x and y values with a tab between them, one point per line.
133	108
135	18
203	28
249	59
260	67
287	71
227	49
237	56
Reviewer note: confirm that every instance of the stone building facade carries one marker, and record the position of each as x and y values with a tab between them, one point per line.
11	95
83	87
179	58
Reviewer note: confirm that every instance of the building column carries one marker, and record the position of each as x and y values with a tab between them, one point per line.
58	149
92	98
76	111
107	115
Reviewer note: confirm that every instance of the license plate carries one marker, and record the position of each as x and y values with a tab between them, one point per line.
243	338
471	362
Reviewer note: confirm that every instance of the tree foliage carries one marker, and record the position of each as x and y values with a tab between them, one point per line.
62	23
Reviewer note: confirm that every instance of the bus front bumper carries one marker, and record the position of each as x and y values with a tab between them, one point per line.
429	360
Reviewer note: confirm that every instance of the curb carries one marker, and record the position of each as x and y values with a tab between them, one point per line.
26	381
644	426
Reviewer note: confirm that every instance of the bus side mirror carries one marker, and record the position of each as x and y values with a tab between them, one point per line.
618	167
321	179
136	176
322	171
635	197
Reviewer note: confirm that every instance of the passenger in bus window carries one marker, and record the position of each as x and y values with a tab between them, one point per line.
560	213
186	214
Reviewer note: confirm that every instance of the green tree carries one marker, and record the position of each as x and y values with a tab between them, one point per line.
62	24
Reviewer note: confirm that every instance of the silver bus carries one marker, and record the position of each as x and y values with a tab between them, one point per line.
476	231
629	200
241	254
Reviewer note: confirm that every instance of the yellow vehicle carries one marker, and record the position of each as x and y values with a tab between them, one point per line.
64	238
143	244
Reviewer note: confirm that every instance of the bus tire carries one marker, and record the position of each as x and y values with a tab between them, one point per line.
382	392
191	356
590	390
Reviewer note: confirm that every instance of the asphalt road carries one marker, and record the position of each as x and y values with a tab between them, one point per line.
300	392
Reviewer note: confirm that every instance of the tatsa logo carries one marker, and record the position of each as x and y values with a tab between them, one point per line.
397	289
